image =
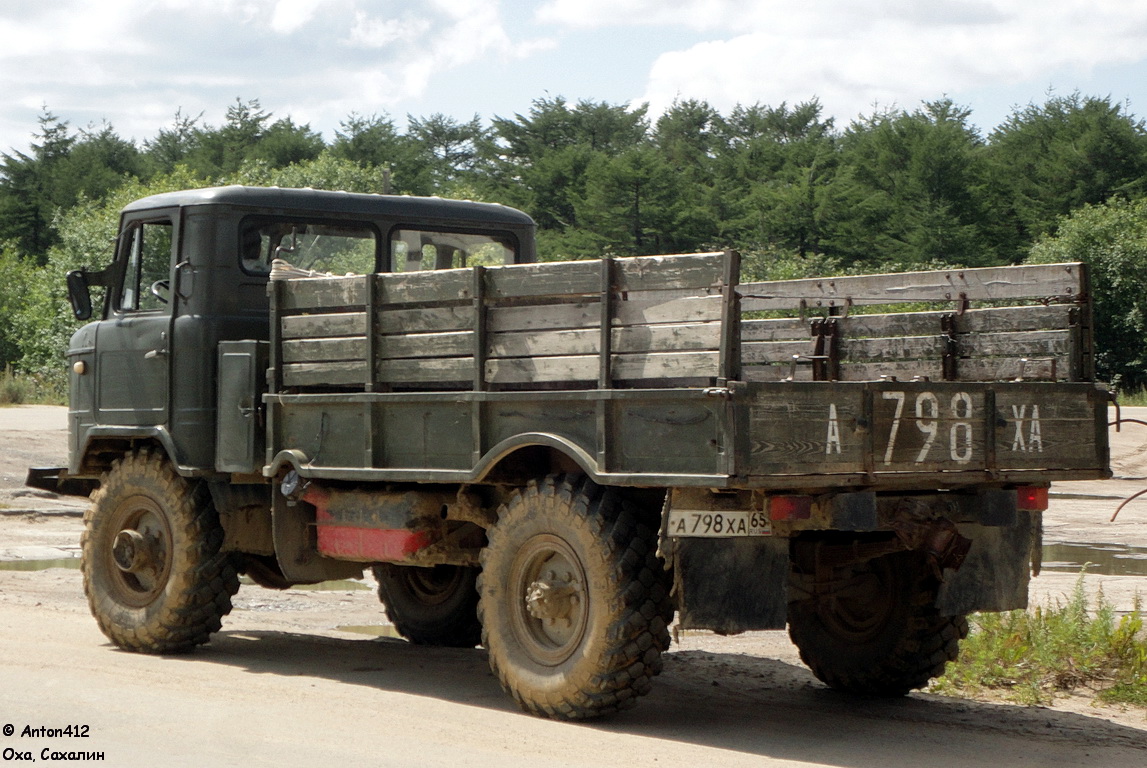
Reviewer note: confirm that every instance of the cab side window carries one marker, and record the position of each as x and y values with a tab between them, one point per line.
146	282
413	250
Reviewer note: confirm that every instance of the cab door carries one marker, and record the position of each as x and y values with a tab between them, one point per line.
133	357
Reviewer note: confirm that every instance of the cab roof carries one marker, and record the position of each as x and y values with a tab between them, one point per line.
288	200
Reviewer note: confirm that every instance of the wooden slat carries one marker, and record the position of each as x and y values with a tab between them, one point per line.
426	345
660	273
323	293
660	338
640	273
432	286
324	350
775	329
647	308
584	368
1031	344
1060	282
1009	368
312	326
322	374
891	348
987	320
425	319
637	309
430	371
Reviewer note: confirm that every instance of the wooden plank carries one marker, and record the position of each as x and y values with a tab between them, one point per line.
758	352
324	374
323	293
659	273
431	286
584	368
459	370
544	317
324	350
901	370
639	273
892	348
424	345
642	310
425	319
776	329
660	338
563	278
1058	282
1031	344
1009	369
325	325
984	320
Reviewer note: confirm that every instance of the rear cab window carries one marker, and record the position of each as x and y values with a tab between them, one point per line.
415	249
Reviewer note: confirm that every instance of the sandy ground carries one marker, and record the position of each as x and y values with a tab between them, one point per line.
296	677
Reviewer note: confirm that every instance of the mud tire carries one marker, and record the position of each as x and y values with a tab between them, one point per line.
886	638
431	606
181	597
607	653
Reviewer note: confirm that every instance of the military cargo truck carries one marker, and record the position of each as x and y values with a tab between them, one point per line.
558	460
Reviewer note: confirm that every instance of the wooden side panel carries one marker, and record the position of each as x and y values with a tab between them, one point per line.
1059	282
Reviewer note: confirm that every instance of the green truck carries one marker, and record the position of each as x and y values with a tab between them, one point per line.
557	461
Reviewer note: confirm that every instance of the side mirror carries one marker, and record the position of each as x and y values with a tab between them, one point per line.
79	295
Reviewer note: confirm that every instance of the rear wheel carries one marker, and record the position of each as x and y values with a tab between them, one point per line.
877	631
574	604
431	606
154	575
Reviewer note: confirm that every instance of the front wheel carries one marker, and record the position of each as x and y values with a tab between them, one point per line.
875	629
154	575
574	605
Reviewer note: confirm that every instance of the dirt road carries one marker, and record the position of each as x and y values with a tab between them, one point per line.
293	680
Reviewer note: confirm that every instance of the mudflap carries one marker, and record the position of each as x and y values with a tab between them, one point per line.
996	572
731	585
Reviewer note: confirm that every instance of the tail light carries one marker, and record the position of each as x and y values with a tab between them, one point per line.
790	507
1031	498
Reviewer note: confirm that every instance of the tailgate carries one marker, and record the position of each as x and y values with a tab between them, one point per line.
841	433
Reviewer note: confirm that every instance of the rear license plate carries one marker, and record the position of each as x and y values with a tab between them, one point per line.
711	524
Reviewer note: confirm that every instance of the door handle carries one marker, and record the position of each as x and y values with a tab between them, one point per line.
154	354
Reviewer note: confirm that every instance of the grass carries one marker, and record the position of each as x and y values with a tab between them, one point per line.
1033	655
21	388
1138	397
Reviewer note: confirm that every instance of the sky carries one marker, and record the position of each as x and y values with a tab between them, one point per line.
136	63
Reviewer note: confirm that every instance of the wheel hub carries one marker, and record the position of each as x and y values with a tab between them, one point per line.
553	597
133	552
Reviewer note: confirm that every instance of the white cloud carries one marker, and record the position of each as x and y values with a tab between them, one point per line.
292	15
852	55
126	60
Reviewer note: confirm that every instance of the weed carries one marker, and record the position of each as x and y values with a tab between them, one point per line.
17	388
1050	649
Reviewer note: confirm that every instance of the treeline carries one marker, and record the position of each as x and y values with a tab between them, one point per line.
896	189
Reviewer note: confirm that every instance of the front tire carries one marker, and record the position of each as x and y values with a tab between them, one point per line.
432	606
878	631
154	575
574	605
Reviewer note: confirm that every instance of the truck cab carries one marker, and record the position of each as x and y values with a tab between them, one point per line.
190	270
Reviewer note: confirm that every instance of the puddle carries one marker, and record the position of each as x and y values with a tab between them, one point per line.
342	585
39	565
374	630
1105	559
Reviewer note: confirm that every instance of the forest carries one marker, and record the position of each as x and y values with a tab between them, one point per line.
798	194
